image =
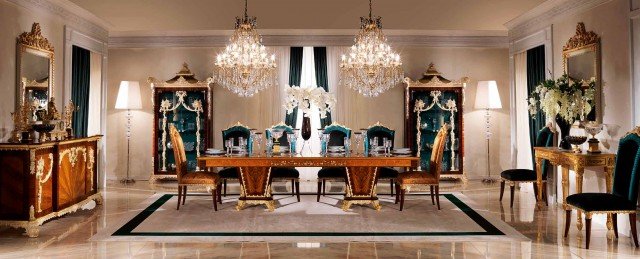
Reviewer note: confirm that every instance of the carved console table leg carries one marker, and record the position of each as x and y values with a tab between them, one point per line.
608	170
565	186
539	198
361	187
579	178
255	187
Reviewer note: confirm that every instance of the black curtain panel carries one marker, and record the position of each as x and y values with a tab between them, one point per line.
295	75
322	79
535	76
80	77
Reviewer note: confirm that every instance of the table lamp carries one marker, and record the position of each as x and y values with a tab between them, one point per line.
128	99
488	98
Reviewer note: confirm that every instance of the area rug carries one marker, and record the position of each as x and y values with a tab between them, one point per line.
308	221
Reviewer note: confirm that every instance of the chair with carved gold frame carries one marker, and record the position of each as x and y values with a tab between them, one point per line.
285	173
337	133
624	195
234	131
380	131
429	178
185	179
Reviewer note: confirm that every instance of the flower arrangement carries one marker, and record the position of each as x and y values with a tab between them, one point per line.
564	98
304	98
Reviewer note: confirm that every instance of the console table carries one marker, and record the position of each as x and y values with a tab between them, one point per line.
577	161
42	181
255	174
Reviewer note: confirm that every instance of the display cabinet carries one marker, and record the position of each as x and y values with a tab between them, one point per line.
430	103
185	102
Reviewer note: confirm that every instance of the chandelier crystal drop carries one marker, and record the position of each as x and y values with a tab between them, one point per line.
371	67
245	67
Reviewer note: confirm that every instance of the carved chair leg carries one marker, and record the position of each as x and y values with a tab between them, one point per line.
391	186
501	189
219	190
433	202
634	230
184	195
397	194
402	192
179	196
614	220
512	187
438	196
224	182
214	194
567	223
297	183
293	185
324	187
587	221
535	190
319	189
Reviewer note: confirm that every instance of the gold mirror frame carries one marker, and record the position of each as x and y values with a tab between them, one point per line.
33	43
584	42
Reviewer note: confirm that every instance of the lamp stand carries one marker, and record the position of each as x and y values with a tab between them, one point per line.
127	179
487	116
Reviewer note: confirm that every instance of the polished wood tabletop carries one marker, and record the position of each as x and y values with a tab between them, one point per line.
307	161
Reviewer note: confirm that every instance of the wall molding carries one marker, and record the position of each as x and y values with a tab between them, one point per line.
546	13
306	40
71	14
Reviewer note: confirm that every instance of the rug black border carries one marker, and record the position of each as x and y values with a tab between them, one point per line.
127	228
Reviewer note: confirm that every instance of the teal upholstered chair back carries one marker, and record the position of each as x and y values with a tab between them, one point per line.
235	132
284	141
337	133
626	176
380	131
544	139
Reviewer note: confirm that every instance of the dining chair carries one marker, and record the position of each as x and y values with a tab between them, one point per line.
285	173
185	179
380	131
337	133
235	131
623	198
408	180
513	177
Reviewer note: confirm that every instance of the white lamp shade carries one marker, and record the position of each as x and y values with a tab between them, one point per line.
487	95
129	96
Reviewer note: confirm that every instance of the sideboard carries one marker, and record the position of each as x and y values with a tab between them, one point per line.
43	181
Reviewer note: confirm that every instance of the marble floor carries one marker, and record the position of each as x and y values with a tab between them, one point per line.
67	237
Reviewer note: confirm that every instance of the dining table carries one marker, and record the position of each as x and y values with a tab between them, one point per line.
255	174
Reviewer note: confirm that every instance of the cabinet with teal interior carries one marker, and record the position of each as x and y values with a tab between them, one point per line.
431	103
184	102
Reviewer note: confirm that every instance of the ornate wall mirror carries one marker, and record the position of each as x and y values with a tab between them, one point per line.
581	61
34	65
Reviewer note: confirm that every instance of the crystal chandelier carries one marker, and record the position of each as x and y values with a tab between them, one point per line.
245	67
371	67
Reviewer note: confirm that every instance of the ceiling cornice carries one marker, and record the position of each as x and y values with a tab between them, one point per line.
545	14
71	13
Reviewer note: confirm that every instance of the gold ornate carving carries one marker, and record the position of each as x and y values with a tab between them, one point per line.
581	39
35	39
41	180
73	154
90	164
378	124
165	107
635	131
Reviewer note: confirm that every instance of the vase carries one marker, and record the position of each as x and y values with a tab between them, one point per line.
306	128
565	127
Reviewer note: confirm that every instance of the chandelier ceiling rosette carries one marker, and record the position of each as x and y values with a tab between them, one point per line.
371	67
245	67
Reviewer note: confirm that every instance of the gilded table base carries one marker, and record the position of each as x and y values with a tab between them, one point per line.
255	187
346	204
361	187
271	204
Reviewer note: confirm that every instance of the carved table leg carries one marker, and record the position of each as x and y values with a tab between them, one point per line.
32	230
255	187
579	177
539	199
565	186
608	170
361	187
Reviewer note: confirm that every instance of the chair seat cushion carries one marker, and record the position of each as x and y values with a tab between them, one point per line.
387	173
332	172
284	172
517	175
599	202
229	172
417	177
199	178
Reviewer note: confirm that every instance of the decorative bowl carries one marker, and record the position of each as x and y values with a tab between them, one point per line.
42	129
576	141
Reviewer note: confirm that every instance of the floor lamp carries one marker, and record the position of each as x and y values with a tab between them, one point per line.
488	98
128	99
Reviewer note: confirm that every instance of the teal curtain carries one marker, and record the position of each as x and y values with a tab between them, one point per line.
80	76
295	75
322	79
535	75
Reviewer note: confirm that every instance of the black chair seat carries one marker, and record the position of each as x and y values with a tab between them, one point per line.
519	175
284	172
229	173
332	172
600	202
387	173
